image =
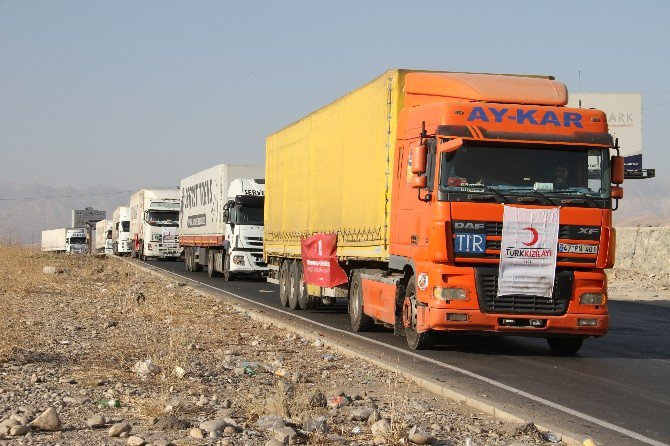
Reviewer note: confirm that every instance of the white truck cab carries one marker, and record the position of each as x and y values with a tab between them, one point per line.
76	241
122	241
243	215
161	228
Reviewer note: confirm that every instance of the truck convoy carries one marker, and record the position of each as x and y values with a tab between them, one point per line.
154	224
221	221
121	241
460	202
103	237
69	240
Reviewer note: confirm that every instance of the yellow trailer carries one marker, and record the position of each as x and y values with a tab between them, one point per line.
330	172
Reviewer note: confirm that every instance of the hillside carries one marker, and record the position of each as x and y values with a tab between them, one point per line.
645	203
22	220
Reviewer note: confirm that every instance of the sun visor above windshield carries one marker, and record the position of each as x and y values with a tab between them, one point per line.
506	89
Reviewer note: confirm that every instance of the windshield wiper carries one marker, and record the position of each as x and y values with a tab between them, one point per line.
489	189
587	197
534	192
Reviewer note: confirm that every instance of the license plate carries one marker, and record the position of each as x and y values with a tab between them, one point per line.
577	249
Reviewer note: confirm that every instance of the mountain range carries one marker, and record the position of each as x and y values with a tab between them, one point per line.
27	209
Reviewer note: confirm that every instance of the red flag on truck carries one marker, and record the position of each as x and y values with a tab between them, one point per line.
319	261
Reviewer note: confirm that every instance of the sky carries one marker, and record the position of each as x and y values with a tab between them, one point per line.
133	94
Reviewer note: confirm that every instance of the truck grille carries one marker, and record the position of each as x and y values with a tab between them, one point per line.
487	288
493	231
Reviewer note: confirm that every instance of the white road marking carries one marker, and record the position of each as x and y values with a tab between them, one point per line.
530	396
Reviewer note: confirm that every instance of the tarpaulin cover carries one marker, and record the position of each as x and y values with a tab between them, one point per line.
528	251
332	171
319	261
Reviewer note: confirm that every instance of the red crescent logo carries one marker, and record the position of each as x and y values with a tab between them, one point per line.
534	238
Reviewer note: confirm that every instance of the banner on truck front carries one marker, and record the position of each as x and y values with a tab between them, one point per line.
319	261
528	251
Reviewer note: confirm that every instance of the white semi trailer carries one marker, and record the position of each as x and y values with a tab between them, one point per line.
221	221
103	237
154	224
68	240
121	240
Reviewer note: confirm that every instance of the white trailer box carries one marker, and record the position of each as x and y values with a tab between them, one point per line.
154	222
103	236
71	240
208	237
203	196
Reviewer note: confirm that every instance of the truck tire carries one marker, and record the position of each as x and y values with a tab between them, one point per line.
188	261
359	320
415	341
565	346
228	275
211	272
283	282
141	253
195	265
304	301
294	284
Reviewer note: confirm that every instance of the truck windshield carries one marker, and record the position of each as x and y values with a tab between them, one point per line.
246	215
561	171
163	218
77	240
125	226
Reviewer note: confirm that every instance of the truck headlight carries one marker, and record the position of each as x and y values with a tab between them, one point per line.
238	260
156	237
592	299
449	293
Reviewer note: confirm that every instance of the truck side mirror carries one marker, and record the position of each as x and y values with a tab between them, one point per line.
226	214
616	192
419	182
617	169
419	154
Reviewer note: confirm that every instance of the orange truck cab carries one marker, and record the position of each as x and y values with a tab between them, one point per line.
467	149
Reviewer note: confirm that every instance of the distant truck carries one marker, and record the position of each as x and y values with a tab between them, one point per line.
121	241
448	202
103	237
221	221
154	224
68	240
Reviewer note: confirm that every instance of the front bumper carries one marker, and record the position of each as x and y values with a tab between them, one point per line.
252	263
568	319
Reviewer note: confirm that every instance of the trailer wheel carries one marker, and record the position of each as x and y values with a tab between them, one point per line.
304	301
211	272
188	262
195	266
228	275
565	346
359	320
415	340
294	285
283	282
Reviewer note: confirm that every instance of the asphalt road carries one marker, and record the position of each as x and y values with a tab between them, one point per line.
617	389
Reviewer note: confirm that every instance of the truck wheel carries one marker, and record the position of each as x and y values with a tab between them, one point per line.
211	272
293	286
359	320
283	282
141	253
187	258
304	301
195	266
565	346
416	341
228	275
